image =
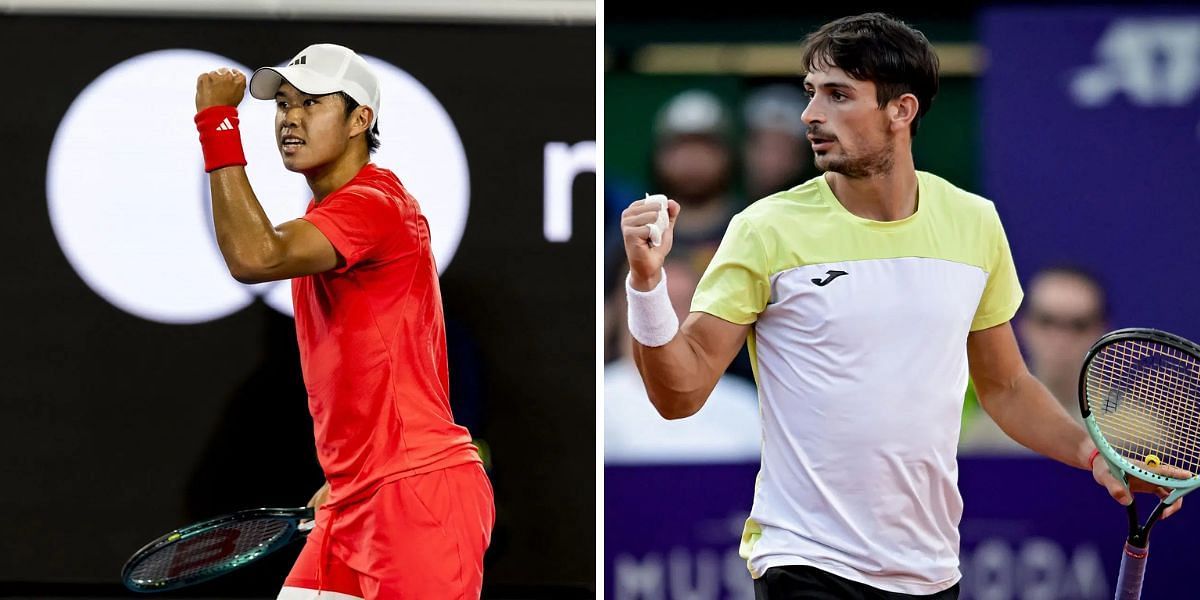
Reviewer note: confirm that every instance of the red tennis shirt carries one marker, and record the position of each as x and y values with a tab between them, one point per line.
373	342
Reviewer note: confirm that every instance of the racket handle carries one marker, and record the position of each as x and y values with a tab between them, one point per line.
1133	567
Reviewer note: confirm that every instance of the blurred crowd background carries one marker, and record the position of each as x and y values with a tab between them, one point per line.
717	135
1037	110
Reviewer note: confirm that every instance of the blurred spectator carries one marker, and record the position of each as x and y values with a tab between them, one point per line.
1065	312
694	165
694	160
776	154
725	430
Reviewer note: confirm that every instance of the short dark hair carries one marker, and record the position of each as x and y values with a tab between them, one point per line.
878	48
373	142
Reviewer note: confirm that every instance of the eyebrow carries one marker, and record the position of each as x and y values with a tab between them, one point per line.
831	85
279	95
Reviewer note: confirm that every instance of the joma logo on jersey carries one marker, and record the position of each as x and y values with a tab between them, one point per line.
830	276
303	60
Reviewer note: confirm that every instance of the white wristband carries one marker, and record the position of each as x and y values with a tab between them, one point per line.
652	319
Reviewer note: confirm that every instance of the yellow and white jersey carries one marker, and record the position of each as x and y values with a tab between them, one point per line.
859	350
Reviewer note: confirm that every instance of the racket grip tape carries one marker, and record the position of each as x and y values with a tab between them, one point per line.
1133	567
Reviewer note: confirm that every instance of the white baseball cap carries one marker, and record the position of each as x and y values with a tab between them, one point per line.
693	112
322	69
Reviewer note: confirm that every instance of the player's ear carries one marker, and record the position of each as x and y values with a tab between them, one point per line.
902	111
360	120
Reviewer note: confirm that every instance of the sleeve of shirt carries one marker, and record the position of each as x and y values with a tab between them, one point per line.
736	285
359	225
1002	295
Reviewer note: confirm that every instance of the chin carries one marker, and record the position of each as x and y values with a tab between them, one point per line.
823	164
295	164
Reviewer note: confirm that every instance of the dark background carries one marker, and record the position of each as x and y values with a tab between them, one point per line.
115	429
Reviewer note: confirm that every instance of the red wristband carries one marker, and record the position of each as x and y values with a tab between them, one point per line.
220	138
1092	458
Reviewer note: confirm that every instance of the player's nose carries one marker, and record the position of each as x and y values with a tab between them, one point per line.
812	114
291	117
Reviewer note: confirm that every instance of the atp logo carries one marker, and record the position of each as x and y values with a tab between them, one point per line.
128	196
1151	61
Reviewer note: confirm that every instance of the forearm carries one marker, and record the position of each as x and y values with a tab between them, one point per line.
677	378
1028	413
679	365
247	239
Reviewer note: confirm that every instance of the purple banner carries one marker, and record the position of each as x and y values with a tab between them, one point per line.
1091	129
1031	529
672	531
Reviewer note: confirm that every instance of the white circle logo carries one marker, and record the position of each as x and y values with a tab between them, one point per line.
128	196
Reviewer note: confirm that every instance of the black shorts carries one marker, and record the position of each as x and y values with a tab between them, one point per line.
810	583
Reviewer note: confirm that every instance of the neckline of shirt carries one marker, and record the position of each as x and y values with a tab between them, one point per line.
829	198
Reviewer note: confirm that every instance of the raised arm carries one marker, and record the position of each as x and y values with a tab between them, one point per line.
680	366
254	250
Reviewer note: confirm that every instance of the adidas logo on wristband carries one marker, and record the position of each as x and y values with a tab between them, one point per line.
225	125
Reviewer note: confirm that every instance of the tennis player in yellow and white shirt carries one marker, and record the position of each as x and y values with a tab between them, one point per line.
863	294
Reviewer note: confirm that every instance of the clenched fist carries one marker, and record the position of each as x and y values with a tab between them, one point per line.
223	87
645	259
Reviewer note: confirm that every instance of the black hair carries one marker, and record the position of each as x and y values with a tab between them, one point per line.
881	49
373	142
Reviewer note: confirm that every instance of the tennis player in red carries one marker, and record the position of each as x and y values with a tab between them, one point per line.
407	510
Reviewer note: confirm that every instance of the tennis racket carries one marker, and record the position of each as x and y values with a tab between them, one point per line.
212	548
1140	396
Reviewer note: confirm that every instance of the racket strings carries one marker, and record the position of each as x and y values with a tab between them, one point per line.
1146	400
219	549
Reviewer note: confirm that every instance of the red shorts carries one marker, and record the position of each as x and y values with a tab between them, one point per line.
419	537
